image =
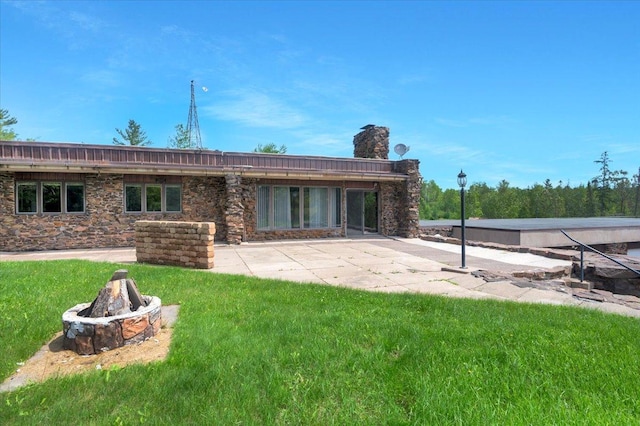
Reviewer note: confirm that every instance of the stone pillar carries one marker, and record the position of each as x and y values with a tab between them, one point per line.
390	207
234	209
409	202
9	231
372	142
7	194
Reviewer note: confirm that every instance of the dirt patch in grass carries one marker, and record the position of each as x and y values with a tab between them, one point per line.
52	360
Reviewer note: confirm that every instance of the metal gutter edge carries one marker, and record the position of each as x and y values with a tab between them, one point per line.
250	172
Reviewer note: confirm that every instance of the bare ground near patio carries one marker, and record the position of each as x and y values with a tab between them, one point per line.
52	360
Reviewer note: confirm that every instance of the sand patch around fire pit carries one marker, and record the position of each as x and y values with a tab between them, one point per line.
52	360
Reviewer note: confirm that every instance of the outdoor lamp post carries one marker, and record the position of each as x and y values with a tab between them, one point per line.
462	181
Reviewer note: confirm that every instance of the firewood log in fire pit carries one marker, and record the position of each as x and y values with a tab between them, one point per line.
119	296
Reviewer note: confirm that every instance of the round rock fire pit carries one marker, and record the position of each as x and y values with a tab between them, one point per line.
119	316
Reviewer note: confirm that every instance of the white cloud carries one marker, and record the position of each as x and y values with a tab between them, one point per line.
410	79
176	31
451	123
491	120
86	22
625	148
76	27
256	109
102	78
312	142
453	152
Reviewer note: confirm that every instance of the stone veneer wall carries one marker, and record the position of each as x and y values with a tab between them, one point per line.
408	209
100	225
389	194
250	202
104	222
202	202
187	244
400	202
7	210
234	209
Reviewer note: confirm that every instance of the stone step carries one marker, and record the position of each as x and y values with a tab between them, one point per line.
576	283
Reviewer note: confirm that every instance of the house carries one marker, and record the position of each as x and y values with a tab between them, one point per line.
65	196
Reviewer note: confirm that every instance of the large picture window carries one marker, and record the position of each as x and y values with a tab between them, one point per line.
293	207
50	197
152	198
316	214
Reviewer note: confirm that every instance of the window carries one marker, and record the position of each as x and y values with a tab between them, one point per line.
75	197
316	203
158	198
335	213
286	207
133	198
174	198
27	197
264	195
49	197
292	207
154	198
52	197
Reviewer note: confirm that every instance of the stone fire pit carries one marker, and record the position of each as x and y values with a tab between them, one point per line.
119	316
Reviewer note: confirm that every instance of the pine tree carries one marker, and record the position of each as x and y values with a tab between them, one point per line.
181	139
271	148
132	135
6	132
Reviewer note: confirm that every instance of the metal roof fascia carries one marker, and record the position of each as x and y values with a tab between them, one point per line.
246	171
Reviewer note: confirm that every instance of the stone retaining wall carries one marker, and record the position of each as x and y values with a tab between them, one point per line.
187	244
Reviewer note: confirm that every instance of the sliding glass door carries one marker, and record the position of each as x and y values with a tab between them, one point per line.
362	212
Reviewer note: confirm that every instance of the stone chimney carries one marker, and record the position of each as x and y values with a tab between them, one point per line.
372	142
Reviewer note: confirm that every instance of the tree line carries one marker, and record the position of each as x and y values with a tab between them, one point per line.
611	193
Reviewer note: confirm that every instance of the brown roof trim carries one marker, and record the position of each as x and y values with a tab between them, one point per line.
79	158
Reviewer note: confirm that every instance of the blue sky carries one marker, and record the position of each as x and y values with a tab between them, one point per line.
515	91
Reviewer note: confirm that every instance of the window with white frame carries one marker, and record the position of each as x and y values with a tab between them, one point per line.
152	198
295	207
50	197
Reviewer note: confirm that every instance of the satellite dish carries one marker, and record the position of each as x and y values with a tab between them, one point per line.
401	149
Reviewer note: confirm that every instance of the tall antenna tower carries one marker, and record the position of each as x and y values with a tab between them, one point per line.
193	127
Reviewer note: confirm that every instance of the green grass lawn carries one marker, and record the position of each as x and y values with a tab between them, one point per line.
253	351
